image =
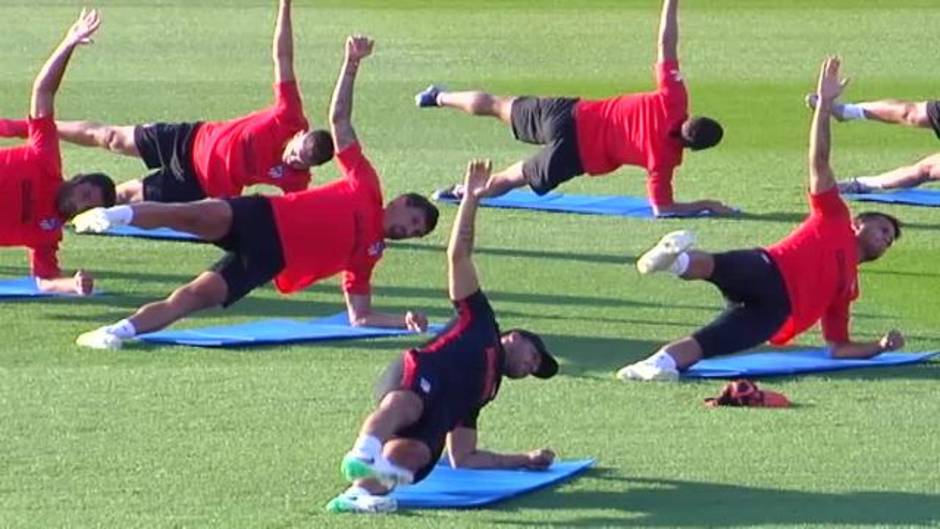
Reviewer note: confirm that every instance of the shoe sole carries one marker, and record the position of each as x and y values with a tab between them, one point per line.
627	374
671	245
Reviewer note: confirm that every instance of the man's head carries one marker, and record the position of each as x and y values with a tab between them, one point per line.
875	233
409	215
308	149
83	192
699	133
526	355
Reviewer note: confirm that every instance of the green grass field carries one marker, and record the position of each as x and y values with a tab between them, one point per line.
179	437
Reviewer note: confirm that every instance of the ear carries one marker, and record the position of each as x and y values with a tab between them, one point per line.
856	225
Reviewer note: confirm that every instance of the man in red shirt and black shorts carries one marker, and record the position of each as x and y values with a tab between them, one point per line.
433	394
649	130
776	293
34	201
193	161
294	240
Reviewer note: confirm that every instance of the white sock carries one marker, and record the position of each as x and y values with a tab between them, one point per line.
368	446
681	264
851	111
663	359
120	215
871	182
355	490
122	329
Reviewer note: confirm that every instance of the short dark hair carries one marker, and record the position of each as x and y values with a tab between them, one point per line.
548	366
100	180
867	215
702	133
414	200
319	143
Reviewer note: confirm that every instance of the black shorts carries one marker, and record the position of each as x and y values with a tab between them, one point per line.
437	417
550	122
933	113
253	248
758	303
168	148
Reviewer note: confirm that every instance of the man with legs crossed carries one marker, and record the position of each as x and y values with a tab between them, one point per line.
295	239
432	395
778	292
649	130
34	200
193	161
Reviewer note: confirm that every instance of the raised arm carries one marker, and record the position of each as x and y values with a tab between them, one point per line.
669	31
463	452
462	276
283	51
829	88
49	78
357	48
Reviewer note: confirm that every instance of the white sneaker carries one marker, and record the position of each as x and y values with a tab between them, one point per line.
660	257
853	186
362	503
94	220
647	371
99	339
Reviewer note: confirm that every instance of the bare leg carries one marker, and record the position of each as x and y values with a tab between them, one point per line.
207	290
130	191
405	453
208	219
506	180
905	177
479	104
397	410
117	139
898	112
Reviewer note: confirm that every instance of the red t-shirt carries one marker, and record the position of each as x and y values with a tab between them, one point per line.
230	155
637	129
819	264
331	228
30	176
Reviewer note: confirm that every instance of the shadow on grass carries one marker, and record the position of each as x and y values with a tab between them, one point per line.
518	252
675	503
585	356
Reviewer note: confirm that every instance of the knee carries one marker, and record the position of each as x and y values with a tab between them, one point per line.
914	116
483	104
407	453
112	139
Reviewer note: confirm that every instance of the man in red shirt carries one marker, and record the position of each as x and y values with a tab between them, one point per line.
34	201
648	130
778	292
294	240
433	395
192	161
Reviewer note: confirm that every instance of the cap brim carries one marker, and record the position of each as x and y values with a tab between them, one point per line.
548	366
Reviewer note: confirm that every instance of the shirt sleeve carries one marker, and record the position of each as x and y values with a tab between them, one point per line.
293	181
14	128
44	143
44	261
357	279
835	322
288	105
476	311
829	204
356	167
659	187
669	81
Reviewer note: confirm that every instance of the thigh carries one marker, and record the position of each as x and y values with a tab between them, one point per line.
749	276
166	185
738	328
541	120
555	164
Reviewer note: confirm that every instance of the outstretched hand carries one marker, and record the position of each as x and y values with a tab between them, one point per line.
83	28
477	178
830	86
358	47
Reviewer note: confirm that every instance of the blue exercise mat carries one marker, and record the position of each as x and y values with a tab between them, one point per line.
618	206
274	331
910	197
784	363
25	287
450	488
164	234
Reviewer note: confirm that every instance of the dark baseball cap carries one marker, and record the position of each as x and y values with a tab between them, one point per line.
548	366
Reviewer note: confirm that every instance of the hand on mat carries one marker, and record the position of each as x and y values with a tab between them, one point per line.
717	207
540	459
82	30
830	86
416	321
84	283
477	178
358	47
892	341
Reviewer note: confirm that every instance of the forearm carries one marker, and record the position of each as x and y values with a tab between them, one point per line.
50	77
820	172
57	285
462	233
669	31
283	52
685	208
483	459
341	104
855	349
378	319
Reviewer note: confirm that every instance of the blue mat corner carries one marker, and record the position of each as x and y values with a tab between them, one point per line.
25	287
450	488
795	362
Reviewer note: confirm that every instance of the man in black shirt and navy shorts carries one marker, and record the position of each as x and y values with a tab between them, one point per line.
433	395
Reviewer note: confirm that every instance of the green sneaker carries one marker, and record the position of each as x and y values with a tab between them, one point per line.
355	468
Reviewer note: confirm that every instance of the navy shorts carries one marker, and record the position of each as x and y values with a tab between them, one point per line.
549	122
933	113
167	148
758	303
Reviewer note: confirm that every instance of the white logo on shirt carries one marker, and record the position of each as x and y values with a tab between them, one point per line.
677	75
276	172
425	385
376	249
50	224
